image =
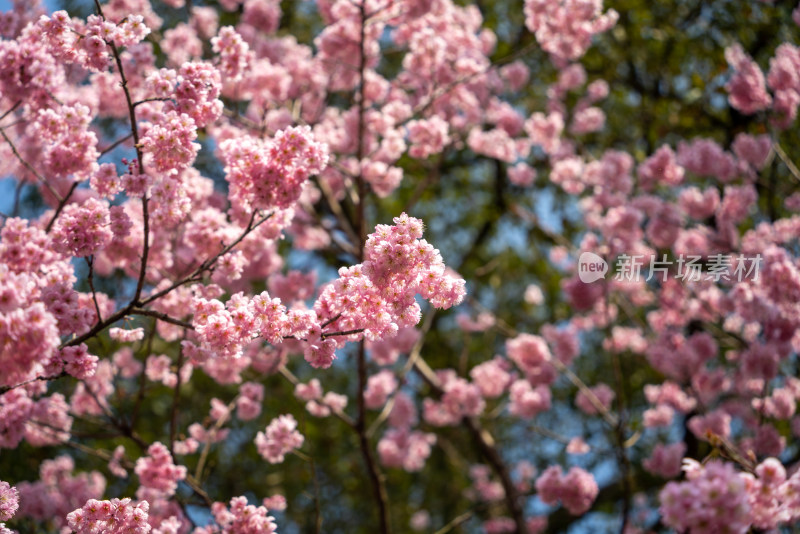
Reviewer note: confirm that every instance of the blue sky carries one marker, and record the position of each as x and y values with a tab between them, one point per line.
5	5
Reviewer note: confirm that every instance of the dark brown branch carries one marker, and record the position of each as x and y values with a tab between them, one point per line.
11	110
486	446
90	279
152	99
143	376
137	146
208	264
343	333
28	166
331	320
4	389
375	476
162	317
62	202
127	310
173	418
115	144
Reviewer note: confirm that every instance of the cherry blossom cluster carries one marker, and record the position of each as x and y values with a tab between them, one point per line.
249	401
272	174
239	518
713	498
9	501
402	446
193	90
83	229
378	295
28	69
158	471
116	515
234	53
397	267
70	148
226	328
565	28
78	362
26	327
44	421
460	398
576	490
86	43
169	140
317	404
58	491
280	438
747	90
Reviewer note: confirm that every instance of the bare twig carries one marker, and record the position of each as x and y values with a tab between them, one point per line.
487	447
115	144
28	166
343	333
786	161
11	110
331	320
152	99
147	349
61	203
413	355
317	509
198	472
4	389
209	263
162	317
139	156
455	523
173	419
90	279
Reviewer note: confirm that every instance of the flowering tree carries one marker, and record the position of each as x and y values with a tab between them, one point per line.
218	312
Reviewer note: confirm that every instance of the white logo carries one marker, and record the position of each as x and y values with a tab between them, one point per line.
591	267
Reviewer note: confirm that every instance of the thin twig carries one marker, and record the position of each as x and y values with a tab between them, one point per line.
140	163
208	264
413	355
152	99
317	509
147	349
4	389
173	419
487	447
11	110
115	144
786	161
198	472
331	320
162	317
61	203
343	333
457	522
90	279
28	166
